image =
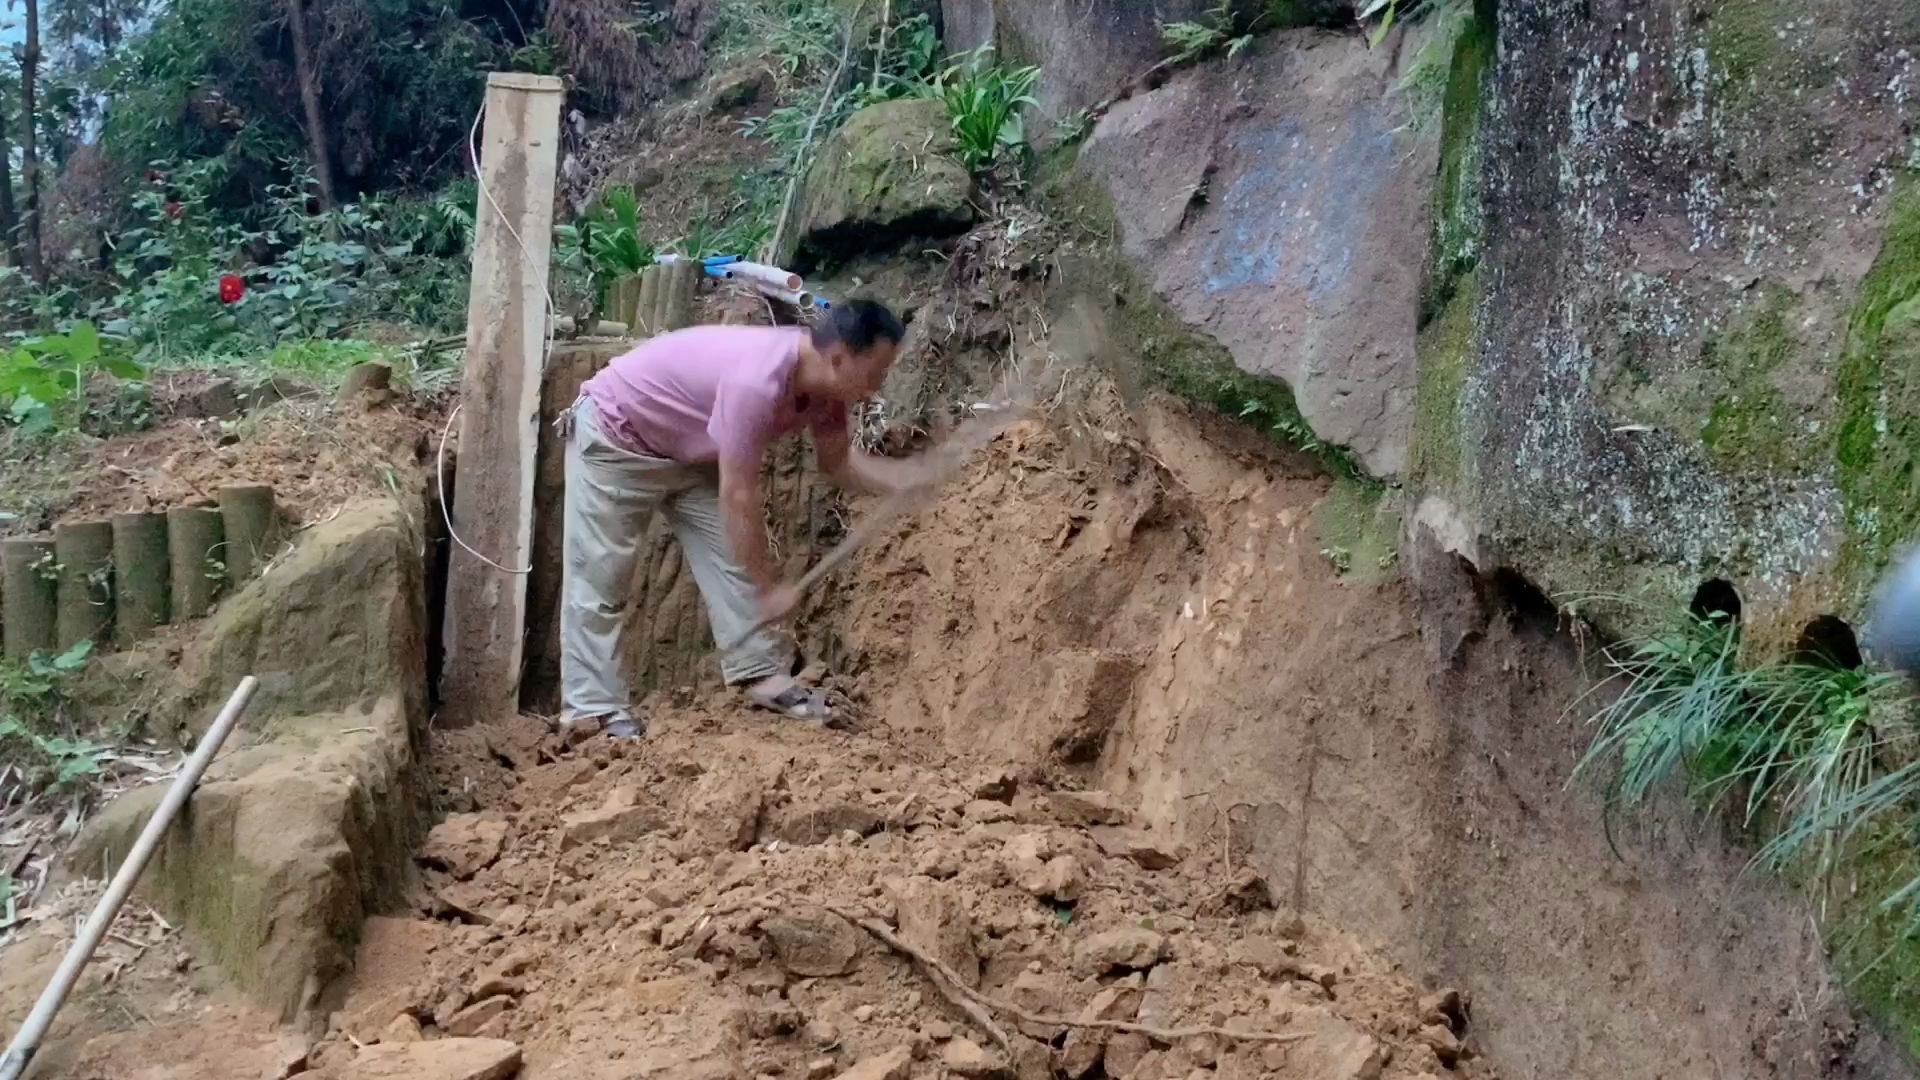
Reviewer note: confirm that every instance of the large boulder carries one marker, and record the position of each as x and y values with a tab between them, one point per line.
888	174
305	823
334	626
1280	205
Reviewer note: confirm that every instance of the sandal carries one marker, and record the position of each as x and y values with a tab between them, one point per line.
795	702
619	725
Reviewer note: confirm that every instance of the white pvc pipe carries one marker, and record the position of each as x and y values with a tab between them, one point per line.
762	273
26	1041
798	298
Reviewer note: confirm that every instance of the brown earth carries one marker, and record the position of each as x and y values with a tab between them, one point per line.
682	909
315	455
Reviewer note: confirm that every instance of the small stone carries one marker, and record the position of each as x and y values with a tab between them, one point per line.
474	1017
617	821
821	1034
464	844
403	1029
1245	894
1337	1049
1133	948
820	1068
1087	808
813	942
932	917
492	985
987	811
998	785
864	1014
438	1059
290	1054
1149	852
1086	1046
1444	1043
938	1030
892	1065
1125	1049
1448	1007
964	1057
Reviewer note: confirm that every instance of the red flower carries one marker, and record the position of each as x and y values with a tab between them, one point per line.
231	288
172	209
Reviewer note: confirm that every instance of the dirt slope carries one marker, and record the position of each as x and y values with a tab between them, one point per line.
681	909
1144	600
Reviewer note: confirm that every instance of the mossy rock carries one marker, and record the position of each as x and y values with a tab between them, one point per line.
889	174
305	823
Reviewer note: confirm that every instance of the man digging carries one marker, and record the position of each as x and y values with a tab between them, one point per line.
681	424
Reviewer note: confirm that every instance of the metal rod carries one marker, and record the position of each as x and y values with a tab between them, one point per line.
26	1041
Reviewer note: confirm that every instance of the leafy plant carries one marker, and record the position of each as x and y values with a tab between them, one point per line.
1796	747
1388	12
42	378
30	697
1216	31
983	102
612	240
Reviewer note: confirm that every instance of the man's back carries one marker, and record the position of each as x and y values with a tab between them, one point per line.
700	394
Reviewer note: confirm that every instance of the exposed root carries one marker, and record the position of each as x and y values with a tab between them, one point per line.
944	978
976	1004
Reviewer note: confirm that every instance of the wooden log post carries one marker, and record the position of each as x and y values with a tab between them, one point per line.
647	306
140	575
195	549
28	587
500	400
628	306
250	524
681	283
84	550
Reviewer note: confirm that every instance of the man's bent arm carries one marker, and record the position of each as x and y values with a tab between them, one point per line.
847	466
742	510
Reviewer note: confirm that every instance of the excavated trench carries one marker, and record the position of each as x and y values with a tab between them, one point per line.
1136	599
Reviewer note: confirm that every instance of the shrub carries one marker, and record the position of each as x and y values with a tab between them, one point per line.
983	102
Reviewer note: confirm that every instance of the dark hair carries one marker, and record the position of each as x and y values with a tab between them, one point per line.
859	325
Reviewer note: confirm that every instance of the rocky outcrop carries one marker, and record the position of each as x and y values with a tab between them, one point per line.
305	823
1663	335
1279	204
889	173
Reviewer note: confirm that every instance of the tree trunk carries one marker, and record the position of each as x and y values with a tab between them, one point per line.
309	78
29	140
9	214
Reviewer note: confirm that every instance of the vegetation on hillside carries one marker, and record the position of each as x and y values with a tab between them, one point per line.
1813	757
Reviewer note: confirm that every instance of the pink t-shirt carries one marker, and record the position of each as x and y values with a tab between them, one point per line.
709	393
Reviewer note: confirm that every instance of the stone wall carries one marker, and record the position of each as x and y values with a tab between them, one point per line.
1668	331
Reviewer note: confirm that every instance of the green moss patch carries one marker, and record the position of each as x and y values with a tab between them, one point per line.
1764	60
1358	529
1877	445
1457	227
1876	948
1436	457
1749	425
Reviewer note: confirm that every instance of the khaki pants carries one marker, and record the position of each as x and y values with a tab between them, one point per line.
610	493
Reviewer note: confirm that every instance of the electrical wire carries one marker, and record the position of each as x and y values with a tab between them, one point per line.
440	472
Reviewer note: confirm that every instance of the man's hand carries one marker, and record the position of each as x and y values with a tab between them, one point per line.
778	602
